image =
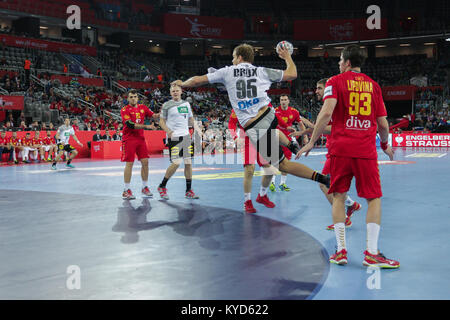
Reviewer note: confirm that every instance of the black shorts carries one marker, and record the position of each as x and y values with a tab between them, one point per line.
180	147
263	134
65	147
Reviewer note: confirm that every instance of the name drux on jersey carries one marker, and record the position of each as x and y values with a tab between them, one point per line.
245	72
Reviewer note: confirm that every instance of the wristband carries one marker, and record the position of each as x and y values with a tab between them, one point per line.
384	145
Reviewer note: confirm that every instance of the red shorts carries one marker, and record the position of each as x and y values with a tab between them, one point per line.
133	147
365	171
251	155
326	166
287	152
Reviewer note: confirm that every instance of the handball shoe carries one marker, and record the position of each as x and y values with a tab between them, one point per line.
284	187
339	257
272	187
380	261
248	207
355	207
147	193
265	201
128	195
163	193
191	195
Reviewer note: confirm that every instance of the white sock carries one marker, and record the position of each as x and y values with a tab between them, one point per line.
339	231
127	186
262	191
283	179
247	196
349	202
144	184
273	179
373	230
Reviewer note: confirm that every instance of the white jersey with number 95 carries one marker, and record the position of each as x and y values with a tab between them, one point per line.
246	85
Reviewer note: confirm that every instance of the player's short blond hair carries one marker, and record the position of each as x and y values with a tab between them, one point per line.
323	81
246	51
174	85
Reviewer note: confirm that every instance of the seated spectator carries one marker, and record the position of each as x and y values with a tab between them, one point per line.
8	127
35	126
23	126
5	147
117	136
107	136
97	136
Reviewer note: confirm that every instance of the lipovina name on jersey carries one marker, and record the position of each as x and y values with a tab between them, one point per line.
177	114
64	134
246	86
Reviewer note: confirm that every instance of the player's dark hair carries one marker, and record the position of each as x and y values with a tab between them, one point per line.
354	53
284	95
132	91
246	52
322	81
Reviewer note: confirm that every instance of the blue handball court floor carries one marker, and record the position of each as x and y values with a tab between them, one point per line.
67	234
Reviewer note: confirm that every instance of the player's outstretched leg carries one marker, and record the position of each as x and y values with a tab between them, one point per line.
372	256
58	156
190	194
265	182
127	172
249	170
169	173
146	193
72	155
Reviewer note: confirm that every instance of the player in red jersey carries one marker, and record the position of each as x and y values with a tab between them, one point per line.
49	145
27	147
38	146
355	104
351	205
5	147
250	155
17	146
289	116
133	142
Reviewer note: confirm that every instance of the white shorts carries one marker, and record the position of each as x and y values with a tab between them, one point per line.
46	148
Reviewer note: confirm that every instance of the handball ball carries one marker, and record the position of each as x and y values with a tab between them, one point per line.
285	44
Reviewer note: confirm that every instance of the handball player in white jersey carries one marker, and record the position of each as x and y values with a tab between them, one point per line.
246	85
176	117
63	136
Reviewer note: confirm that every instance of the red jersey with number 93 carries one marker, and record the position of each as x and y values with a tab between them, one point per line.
136	115
359	104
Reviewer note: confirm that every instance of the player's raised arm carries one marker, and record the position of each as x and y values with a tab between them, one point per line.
195	81
291	69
